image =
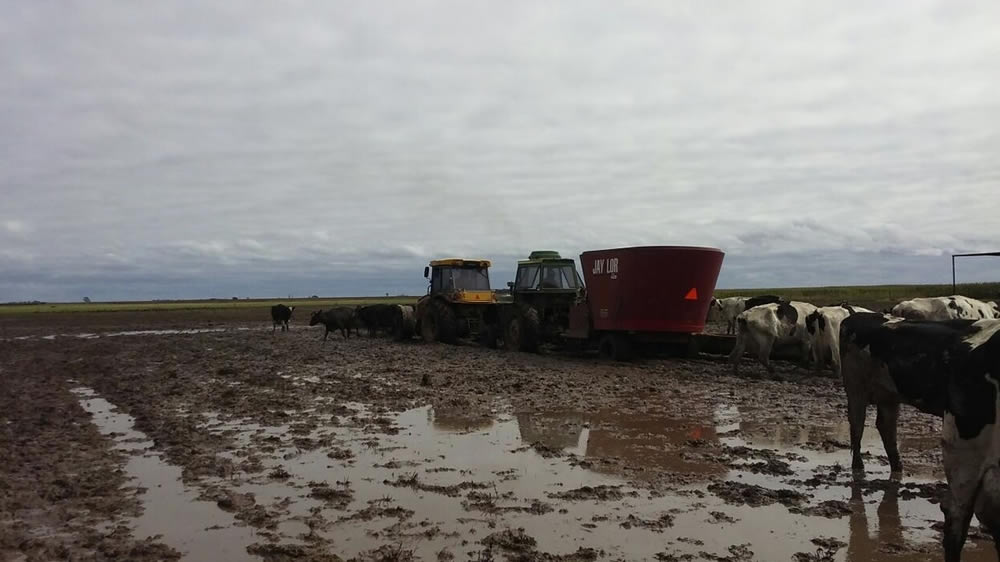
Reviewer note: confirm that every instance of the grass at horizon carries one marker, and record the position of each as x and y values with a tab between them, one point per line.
871	296
148	306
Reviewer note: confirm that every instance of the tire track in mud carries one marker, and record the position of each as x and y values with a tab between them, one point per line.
63	493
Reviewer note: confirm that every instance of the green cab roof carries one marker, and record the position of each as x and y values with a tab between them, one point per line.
539	256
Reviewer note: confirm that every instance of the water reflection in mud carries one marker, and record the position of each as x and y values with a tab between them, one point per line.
197	529
572	480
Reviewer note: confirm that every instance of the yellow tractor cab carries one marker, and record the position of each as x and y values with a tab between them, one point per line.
463	280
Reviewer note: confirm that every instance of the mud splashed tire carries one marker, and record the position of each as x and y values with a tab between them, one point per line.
522	331
444	323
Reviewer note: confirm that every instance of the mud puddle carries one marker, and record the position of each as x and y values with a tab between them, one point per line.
628	487
127	333
198	529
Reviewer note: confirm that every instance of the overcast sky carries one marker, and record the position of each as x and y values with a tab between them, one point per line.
200	149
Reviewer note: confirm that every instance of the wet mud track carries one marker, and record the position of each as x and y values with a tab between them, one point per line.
229	444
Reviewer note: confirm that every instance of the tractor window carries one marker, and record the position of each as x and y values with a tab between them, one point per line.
437	280
527	277
570	278
559	277
468	279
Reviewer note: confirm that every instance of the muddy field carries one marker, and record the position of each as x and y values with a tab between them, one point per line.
183	435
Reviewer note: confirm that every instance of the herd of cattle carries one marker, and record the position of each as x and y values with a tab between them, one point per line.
394	319
940	355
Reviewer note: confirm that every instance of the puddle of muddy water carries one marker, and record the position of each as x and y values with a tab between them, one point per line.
432	483
166	332
198	529
469	478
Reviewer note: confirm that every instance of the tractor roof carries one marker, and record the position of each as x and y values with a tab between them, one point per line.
547	256
460	262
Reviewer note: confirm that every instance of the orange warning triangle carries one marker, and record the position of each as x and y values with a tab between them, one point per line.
692	294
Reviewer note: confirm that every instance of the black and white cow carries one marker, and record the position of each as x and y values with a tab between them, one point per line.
949	369
823	326
761	300
954	307
978	309
726	310
760	327
280	315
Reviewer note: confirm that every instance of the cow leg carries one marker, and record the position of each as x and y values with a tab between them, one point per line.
835	358
764	354
988	504
343	333
856	407
888	415
730	327
963	460
737	354
957	517
326	333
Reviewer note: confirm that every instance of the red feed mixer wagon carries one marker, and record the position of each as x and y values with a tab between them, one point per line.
644	295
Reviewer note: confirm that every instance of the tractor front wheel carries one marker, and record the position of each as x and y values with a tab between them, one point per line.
523	331
444	322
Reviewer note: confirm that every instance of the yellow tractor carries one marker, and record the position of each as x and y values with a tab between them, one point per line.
459	302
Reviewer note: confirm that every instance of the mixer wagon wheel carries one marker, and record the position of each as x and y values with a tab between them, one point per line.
615	346
523	330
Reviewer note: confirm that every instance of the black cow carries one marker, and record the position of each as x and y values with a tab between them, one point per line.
949	369
377	317
280	315
341	318
762	299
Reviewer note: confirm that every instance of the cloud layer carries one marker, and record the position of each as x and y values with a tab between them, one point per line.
214	148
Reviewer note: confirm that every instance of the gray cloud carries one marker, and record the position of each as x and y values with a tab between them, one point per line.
229	148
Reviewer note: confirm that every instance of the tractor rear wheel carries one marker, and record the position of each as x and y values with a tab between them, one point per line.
523	330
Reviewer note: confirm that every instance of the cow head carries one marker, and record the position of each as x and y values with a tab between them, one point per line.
714	310
995	307
315	318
